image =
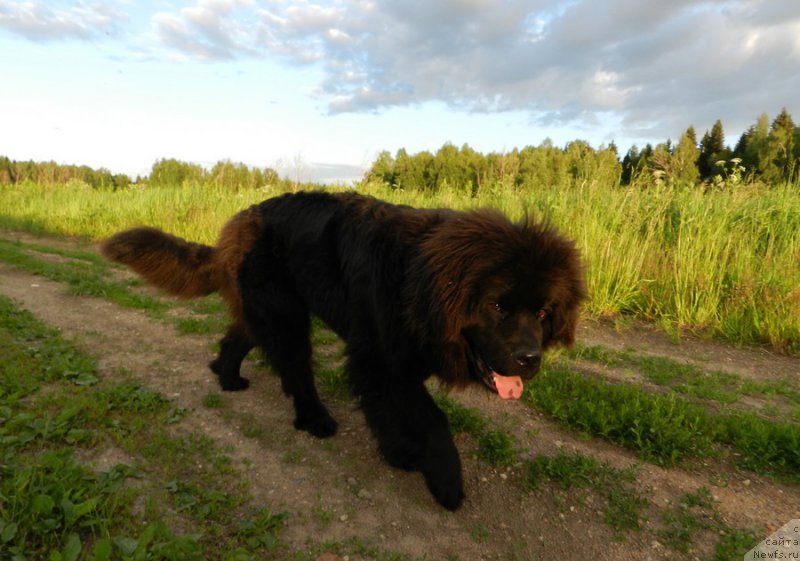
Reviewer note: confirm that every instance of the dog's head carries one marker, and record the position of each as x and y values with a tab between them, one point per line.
503	294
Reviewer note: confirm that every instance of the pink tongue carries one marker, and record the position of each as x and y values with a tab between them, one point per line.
508	387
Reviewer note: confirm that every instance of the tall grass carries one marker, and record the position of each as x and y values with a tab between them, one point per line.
723	263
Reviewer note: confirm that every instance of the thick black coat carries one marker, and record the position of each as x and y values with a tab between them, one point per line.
412	292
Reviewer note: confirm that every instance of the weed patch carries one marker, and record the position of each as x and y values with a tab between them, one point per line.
664	429
53	506
719	386
495	446
623	504
661	428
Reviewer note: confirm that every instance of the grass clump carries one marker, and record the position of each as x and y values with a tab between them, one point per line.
661	428
83	277
717	385
767	447
623	504
495	446
56	505
694	514
213	400
664	428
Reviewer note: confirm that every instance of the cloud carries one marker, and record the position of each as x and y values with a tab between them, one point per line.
563	62
38	21
208	30
650	66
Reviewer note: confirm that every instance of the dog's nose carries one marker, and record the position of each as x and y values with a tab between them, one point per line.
527	358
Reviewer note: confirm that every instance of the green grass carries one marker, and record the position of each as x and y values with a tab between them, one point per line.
694	518
213	400
495	446
664	429
85	274
715	385
661	428
721	262
693	513
83	277
56	411
622	502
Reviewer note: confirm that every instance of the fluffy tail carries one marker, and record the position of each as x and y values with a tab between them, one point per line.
181	268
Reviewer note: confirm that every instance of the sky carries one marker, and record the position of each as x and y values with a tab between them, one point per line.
319	88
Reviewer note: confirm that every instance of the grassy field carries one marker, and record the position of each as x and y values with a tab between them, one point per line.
722	263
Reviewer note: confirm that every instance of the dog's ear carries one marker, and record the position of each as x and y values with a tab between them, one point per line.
569	292
564	322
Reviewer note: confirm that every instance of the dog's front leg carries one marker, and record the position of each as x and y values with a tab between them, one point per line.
413	433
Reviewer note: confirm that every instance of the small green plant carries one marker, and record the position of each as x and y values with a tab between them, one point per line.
694	512
495	446
732	173
333	381
213	400
734	544
261	529
662	428
622	502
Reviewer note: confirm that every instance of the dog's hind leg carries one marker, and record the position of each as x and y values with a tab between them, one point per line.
279	322
233	348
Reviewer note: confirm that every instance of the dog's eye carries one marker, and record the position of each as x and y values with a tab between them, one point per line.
499	309
541	314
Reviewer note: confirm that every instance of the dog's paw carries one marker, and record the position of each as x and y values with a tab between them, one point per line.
229	382
320	424
441	467
449	494
234	384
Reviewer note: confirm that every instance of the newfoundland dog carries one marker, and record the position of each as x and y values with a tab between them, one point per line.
467	296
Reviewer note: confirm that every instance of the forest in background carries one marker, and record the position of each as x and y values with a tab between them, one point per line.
767	152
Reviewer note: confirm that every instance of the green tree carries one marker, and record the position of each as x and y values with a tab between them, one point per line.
712	150
684	159
232	176
780	153
630	165
580	159
752	146
6	170
503	169
175	172
382	169
414	172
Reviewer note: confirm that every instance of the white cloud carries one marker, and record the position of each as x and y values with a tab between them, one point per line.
656	66
659	65
208	30
38	21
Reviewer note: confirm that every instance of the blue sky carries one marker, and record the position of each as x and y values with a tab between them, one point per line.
323	86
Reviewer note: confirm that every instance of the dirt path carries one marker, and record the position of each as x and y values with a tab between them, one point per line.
338	488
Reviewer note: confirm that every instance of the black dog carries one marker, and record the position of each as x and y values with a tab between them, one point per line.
467	296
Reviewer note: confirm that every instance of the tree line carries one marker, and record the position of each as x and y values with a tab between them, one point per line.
12	171
767	151
164	172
